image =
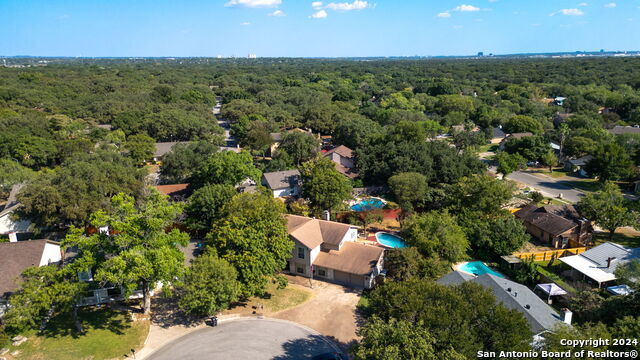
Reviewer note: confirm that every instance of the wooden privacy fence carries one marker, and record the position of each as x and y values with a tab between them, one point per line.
550	254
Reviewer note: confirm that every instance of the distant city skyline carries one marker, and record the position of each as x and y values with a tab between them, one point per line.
294	28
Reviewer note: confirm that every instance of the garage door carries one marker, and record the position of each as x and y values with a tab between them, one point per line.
348	279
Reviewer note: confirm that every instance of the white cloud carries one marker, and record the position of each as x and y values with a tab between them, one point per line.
277	13
316	5
466	8
569	12
610	5
245	23
319	15
254	3
444	15
356	5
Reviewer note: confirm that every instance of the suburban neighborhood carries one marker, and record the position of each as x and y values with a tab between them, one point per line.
319	197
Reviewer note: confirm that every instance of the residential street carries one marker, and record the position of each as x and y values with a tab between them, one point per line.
547	185
223	123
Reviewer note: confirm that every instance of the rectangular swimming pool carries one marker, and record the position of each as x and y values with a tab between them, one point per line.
478	268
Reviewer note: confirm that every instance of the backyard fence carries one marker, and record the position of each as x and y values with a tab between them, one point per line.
550	254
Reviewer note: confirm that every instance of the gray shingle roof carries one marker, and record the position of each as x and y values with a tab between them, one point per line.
281	179
512	295
619	130
15	257
454	278
599	255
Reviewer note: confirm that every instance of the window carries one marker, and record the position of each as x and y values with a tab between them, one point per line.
300	270
300	253
322	272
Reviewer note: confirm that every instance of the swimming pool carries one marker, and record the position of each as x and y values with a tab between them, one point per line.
390	240
368	204
478	268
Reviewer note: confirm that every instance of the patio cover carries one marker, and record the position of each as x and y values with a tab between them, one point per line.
551	289
588	268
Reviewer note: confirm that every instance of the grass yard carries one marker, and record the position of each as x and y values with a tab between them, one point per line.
109	334
488	148
274	300
624	236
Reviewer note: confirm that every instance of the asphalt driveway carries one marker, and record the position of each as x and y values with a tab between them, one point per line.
247	338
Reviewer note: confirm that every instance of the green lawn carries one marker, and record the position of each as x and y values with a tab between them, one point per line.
273	301
623	237
109	334
550	272
488	148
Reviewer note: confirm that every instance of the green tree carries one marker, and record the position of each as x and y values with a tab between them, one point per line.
406	263
226	167
608	208
205	205
610	162
353	133
137	250
210	286
481	193
253	238
393	339
323	185
43	291
523	123
549	159
140	147
466	318
493	235
629	273
508	163
300	146
531	148
184	160
68	195
11	173
436	234
410	189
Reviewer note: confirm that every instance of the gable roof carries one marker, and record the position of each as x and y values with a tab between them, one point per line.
281	179
601	253
15	257
581	161
497	132
314	232
554	220
512	295
162	148
454	278
353	258
342	151
520	135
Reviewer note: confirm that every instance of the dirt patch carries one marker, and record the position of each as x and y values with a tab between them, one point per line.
331	311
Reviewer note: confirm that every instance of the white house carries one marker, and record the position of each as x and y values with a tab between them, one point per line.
327	250
282	183
598	264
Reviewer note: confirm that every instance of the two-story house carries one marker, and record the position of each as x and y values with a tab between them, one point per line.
344	159
328	250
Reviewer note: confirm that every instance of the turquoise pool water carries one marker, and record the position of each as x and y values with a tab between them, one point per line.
368	204
390	240
478	268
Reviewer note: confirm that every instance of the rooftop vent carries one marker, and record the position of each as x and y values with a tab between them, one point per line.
527	306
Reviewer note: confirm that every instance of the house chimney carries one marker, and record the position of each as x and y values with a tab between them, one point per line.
609	261
326	215
566	316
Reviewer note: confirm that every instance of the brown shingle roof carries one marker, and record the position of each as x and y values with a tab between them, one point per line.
342	151
552	219
313	232
352	258
15	257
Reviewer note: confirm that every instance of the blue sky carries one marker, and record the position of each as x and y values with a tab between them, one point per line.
309	29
